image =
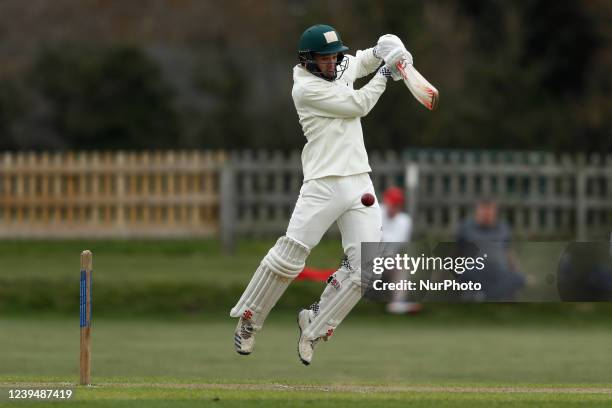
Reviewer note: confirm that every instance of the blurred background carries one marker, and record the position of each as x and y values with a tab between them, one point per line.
190	74
162	136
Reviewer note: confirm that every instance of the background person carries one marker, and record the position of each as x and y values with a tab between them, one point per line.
501	278
397	229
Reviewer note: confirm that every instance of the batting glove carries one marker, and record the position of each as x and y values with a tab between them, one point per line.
387	72
384	71
386	44
394	57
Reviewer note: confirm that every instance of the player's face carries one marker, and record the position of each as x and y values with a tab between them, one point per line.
326	64
486	213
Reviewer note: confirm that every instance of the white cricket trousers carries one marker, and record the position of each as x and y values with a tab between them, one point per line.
337	198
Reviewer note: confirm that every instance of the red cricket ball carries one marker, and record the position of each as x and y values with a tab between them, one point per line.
367	199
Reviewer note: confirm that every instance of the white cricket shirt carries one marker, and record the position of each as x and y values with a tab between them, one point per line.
330	114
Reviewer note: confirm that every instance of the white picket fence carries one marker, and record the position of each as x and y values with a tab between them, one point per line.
542	195
252	193
109	194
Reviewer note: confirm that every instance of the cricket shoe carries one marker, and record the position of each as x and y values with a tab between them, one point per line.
306	346
244	336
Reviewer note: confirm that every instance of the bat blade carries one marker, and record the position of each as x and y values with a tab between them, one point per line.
423	91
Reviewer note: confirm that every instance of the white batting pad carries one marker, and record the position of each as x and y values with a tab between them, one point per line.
280	266
341	294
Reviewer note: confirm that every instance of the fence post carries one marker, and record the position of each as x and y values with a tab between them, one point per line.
412	187
121	191
581	209
228	206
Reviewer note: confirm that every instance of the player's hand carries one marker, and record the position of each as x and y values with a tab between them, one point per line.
398	54
386	44
384	71
394	57
387	72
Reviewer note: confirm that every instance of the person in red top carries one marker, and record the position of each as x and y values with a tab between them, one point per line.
397	229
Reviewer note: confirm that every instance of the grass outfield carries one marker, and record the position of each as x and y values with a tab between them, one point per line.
137	261
194	261
161	337
139	277
162	277
278	396
155	362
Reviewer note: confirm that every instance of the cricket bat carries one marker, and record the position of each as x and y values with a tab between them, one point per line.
422	90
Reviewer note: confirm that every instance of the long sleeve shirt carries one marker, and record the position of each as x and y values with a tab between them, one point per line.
330	114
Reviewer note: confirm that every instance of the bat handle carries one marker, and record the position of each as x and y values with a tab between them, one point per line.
401	65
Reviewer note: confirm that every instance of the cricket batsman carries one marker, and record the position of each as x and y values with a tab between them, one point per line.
335	165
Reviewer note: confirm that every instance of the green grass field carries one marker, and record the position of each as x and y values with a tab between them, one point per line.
245	396
194	261
169	277
200	261
149	277
162	337
371	361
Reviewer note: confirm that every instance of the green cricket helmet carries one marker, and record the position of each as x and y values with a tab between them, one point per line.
324	40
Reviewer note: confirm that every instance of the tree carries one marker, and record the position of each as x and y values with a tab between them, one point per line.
12	106
106	98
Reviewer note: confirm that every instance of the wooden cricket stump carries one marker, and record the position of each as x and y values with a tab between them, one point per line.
85	314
